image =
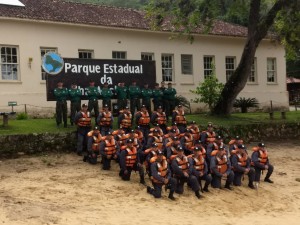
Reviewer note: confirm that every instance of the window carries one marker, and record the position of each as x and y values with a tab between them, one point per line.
187	64
147	56
43	52
85	54
271	70
167	67
9	64
252	77
119	55
208	63
230	66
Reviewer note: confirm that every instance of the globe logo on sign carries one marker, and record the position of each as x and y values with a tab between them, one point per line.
52	63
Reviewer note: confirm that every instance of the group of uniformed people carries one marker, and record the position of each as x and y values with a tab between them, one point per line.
170	155
161	96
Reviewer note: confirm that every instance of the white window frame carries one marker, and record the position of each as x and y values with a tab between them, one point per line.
147	56
43	51
187	64
252	79
167	67
230	66
9	63
119	55
208	65
271	70
85	54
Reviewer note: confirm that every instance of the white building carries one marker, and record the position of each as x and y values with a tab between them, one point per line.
93	31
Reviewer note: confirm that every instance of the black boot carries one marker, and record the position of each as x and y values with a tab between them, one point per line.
171	196
142	180
197	193
228	187
149	190
250	185
206	188
268	180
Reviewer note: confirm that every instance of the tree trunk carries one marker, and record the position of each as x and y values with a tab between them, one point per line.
257	30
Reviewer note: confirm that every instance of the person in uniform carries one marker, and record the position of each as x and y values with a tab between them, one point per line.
198	167
94	139
93	96
163	88
260	161
180	168
142	119
159	117
105	120
161	175
108	150
220	167
83	122
121	92
106	95
157	94
134	96
125	119
208	136
169	96
61	95
194	130
129	161
178	116
187	142
75	98
241	165
146	94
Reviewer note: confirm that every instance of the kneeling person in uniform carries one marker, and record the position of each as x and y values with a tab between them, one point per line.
161	175
93	146
129	161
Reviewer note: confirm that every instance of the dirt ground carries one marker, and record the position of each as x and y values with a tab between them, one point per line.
61	189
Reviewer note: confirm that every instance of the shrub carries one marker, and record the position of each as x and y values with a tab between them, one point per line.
245	103
22	116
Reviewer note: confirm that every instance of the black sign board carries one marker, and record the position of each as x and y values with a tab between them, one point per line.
82	71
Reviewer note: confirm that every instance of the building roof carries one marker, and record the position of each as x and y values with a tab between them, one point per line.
98	15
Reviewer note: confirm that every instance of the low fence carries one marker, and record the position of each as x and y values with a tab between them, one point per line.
16	145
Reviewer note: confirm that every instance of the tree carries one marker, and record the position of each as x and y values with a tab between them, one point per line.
187	15
209	91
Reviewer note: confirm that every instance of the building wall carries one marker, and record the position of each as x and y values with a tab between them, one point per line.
31	36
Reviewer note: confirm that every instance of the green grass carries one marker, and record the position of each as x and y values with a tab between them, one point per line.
49	125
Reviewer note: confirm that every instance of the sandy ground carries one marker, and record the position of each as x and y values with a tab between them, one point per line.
61	189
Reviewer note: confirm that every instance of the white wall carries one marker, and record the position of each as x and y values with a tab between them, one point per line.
30	36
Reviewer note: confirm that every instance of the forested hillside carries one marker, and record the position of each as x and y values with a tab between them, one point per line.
137	4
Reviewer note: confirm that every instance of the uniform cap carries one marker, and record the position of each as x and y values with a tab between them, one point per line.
219	137
84	105
179	149
196	149
109	133
221	148
174	124
96	128
131	131
237	137
175	138
159	152
143	106
154	145
179	106
105	106
209	125
126	107
159	107
198	142
241	146
193	122
173	131
130	141
157	125
261	144
155	130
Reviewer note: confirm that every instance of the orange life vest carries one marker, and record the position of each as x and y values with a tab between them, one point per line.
160	131
189	141
110	147
96	140
161	118
195	131
177	133
262	155
131	156
211	136
222	164
198	162
126	122
180	117
85	120
242	160
162	168
144	119
106	119
183	163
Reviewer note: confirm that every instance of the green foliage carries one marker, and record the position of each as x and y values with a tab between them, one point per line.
245	103
180	100
209	91
22	116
